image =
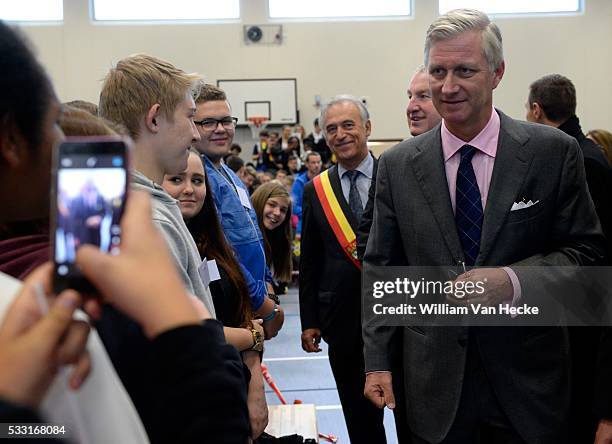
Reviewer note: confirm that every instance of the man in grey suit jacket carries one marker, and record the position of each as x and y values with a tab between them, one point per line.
479	384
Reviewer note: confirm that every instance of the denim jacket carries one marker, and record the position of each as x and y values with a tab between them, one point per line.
241	230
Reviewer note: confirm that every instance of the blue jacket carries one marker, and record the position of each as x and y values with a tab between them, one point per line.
297	191
241	230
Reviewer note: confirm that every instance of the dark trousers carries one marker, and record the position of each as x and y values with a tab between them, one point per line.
480	419
584	346
397	369
363	420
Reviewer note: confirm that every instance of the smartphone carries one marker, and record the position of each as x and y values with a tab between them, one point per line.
90	179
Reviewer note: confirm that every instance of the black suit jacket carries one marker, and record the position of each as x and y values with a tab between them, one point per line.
598	177
330	284
591	348
368	214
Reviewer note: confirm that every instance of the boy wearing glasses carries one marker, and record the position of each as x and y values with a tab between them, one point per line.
216	128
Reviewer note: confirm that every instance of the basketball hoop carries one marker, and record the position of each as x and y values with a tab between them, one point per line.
257	124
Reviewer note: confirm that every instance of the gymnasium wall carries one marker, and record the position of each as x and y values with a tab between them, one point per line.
374	59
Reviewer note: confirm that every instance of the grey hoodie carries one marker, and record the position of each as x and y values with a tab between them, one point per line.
167	217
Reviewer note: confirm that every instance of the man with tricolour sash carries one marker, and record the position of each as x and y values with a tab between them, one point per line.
330	272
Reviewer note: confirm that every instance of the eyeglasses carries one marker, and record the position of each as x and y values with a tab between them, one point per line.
211	124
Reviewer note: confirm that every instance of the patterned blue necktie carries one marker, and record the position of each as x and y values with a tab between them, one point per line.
354	197
468	206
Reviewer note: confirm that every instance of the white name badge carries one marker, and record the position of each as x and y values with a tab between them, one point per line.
244	197
209	271
213	271
203	271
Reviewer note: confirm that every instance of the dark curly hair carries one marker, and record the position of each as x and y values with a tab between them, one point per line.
25	88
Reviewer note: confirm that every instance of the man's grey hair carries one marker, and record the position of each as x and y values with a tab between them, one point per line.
343	98
457	22
422	69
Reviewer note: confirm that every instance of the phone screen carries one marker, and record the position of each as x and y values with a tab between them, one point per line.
90	191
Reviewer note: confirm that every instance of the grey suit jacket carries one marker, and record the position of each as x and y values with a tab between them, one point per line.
414	225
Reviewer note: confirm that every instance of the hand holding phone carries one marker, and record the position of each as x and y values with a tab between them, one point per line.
90	177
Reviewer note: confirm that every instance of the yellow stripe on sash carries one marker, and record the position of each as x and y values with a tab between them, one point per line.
336	217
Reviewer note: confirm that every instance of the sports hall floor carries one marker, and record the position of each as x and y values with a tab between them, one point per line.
308	377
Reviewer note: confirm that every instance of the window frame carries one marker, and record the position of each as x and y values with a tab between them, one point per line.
59	21
346	18
578	12
148	21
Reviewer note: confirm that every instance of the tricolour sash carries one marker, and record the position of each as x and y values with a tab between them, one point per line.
336	218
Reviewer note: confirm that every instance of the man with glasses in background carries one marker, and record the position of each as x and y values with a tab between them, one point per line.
216	128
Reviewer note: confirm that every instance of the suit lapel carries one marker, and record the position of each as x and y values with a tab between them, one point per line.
428	167
511	165
334	180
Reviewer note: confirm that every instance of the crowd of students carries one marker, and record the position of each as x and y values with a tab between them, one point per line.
185	353
290	159
280	155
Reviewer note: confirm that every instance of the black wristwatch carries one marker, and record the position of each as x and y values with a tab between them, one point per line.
274	297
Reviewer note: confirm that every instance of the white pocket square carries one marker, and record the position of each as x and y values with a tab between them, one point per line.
522	205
